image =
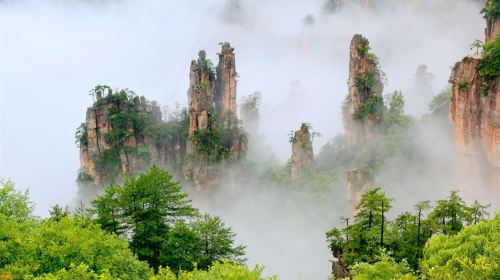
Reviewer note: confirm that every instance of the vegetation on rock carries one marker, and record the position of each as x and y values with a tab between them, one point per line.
489	65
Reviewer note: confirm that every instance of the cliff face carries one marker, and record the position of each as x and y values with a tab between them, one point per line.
361	112
302	151
115	141
475	112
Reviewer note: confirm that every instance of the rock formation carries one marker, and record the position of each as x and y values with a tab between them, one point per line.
302	150
362	107
115	141
225	97
475	112
214	135
124	134
362	111
202	122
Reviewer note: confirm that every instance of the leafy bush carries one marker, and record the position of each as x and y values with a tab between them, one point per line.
471	254
385	268
373	108
13	203
31	248
218	271
492	10
441	102
365	82
489	65
81	138
463	86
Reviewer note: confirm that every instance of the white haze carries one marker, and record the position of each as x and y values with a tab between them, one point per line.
53	52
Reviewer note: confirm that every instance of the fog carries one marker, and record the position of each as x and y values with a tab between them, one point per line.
53	52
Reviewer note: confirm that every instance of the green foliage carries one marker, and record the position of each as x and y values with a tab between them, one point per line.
372	108
150	203
405	236
363	47
365	82
451	214
489	65
13	203
57	213
81	138
208	142
463	86
397	103
81	272
218	271
31	248
336	241
109	210
216	241
471	254
208	67
203	242
492	10
477	44
385	268
84	178
109	165
130	117
164	229
441	102
216	140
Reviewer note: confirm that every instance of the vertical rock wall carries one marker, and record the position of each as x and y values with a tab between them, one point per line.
475	112
225	98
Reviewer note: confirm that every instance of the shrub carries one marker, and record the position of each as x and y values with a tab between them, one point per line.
489	65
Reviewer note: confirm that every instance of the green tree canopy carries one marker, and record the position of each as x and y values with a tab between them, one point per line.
37	248
471	254
13	203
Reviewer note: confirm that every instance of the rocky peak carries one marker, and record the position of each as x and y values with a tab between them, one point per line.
214	135
362	110
201	92
302	150
362	107
225	97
